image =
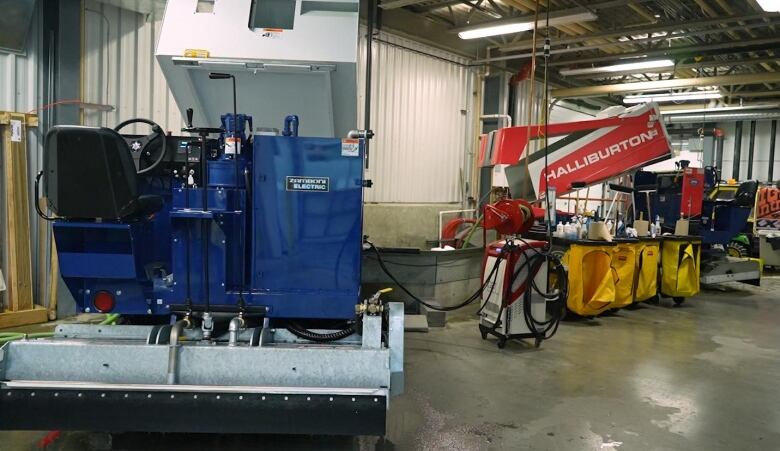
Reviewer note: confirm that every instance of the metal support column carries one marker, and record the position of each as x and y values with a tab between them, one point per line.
737	151
772	137
751	149
370	16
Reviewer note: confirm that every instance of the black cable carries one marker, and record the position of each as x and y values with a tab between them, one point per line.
547	111
38	196
540	329
414	265
504	296
490	292
549	326
477	294
306	334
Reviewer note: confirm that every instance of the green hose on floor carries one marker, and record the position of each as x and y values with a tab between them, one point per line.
5	337
111	319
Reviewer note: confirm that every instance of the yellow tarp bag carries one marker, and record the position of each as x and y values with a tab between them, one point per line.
646	275
591	280
680	272
624	265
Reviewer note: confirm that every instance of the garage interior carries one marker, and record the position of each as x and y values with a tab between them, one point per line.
389	224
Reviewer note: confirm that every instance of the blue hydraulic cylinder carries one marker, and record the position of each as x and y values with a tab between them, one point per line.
234	138
291	123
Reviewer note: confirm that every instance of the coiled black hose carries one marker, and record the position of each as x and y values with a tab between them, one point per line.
474	297
306	334
545	329
534	258
37	196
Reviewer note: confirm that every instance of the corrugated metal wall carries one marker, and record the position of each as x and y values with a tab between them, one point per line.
20	88
420	102
421	113
761	153
120	69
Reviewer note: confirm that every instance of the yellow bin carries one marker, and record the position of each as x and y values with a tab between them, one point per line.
646	275
591	281
623	269
680	271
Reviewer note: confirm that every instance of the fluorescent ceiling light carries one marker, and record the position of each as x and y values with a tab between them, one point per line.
676	97
639	65
769	5
483	31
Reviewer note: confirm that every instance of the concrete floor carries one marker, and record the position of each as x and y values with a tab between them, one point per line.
703	376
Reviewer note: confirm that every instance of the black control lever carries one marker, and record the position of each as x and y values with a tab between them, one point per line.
202	131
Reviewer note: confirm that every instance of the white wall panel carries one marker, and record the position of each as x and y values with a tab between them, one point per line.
120	69
421	106
20	84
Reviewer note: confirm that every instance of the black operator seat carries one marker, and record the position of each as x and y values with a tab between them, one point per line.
744	196
89	174
746	193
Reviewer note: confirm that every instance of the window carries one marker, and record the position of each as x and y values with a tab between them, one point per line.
205	6
272	14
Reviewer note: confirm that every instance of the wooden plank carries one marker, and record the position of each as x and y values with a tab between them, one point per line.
19	271
35	315
30	119
54	279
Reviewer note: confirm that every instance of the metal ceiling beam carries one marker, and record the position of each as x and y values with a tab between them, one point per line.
623	88
644	40
561	13
528	44
725	63
395	4
756	94
722	47
725	47
434	6
670	109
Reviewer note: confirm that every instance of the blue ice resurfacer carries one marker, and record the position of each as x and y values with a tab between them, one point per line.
232	252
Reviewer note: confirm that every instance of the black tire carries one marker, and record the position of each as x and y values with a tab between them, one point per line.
655	300
678	300
501	343
483	334
737	249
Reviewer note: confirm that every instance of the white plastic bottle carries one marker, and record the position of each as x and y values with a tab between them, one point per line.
657	226
559	230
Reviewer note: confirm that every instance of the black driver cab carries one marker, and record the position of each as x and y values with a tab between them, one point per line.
89	174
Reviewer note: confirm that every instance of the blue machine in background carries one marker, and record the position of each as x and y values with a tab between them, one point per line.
720	219
665	196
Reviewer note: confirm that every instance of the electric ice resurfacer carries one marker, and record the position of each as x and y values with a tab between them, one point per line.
232	252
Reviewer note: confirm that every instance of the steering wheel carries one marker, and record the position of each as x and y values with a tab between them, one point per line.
143	147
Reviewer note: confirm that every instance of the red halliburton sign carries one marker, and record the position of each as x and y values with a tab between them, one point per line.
589	151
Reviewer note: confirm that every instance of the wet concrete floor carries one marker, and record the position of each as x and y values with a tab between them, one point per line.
703	376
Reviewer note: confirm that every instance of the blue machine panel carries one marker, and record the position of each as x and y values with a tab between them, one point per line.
307	219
